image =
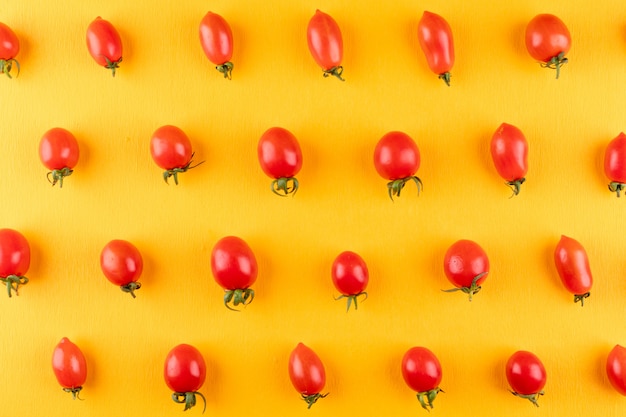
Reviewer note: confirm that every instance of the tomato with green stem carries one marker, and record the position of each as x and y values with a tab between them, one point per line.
59	152
69	366
616	368
9	48
307	374
104	44
526	375
14	259
122	264
326	43
235	269
615	163
466	266
216	39
421	371
170	149
572	264
509	152
548	41
397	159
280	158
435	39
350	277
184	373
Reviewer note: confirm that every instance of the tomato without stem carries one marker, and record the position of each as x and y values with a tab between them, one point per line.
59	152
326	43
397	159
466	266
234	269
572	264
350	277
616	368
170	149
9	48
69	366
615	163
509	152
421	371
548	40
216	39
526	375
280	157
307	374
104	44
14	259
122	264
435	38
184	373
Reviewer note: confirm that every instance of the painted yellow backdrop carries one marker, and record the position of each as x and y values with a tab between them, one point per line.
118	192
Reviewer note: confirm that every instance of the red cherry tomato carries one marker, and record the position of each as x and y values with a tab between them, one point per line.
184	373
171	150
526	375
572	265
14	259
122	264
435	38
616	368
69	366
280	158
216	39
104	44
548	40
307	374
421	371
509	151
234	269
350	277
615	163
325	43
9	48
466	266
397	159
58	151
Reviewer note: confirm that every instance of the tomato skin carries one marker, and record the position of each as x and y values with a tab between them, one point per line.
421	371
464	261
216	38
14	253
104	44
509	152
9	48
572	264
279	153
58	149
396	156
122	264
615	163
325	43
170	147
349	273
233	263
185	369
69	366
616	368
307	373
435	39
526	375
548	40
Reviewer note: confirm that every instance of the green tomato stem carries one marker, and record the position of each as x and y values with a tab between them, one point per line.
112	65
335	72
474	288
445	77
74	391
352	298
13	282
581	298
175	171
395	187
7	64
515	186
530	397
283	185
227	69
57	175
616	187
131	287
189	399
312	399
426	398
556	62
242	296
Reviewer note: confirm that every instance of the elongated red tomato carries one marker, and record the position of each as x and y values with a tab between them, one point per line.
280	157
184	373
548	40
59	152
9	48
69	366
14	259
615	163
235	269
122	264
307	373
509	152
104	44
526	375
572	264
616	368
170	149
466	266
397	159
326	43
216	39
421	371
350	277
435	38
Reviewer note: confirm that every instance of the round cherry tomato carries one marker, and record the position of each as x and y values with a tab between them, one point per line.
509	151
307	374
280	158
350	277
104	44
325	43
234	269
122	264
397	159
69	366
466	266
572	265
14	259
421	371
9	48
171	150
216	39
548	40
616	368
615	163
526	375
58	151
184	373
435	38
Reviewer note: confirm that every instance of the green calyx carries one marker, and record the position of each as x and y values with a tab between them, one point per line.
335	72
445	77
242	296
515	186
57	175
175	171
616	187
112	65
530	397
7	64
312	399
189	399
13	282
131	287
227	69
426	398
556	62
395	187
74	391
285	186
474	288
581	298
352	299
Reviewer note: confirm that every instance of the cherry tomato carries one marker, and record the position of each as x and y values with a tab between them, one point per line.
421	371
616	368
615	163
307	374
280	158
216	39
509	151
572	265
435	38
9	48
350	277
397	159
325	43
526	375
466	266
14	259
58	151
171	150
234	269
69	366
122	264
184	373
104	44
548	40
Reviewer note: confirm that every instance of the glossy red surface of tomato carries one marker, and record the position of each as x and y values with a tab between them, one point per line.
509	152
9	43
464	261
526	375
233	263
421	371
104	44
615	163
14	253
185	369
325	43
216	39
58	149
349	273
435	38
616	368
280	157
170	147
69	366
572	264
307	373
396	156
122	264
548	40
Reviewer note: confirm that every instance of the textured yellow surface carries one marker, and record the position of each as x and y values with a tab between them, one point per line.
118	192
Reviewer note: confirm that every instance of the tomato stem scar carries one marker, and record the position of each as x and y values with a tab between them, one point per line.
311	399
13	282
227	69
530	397
334	71
7	64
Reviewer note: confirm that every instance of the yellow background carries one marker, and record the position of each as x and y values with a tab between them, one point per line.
117	192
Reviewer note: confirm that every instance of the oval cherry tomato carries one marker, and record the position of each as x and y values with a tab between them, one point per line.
14	259
69	366
9	48
615	163
435	38
104	44
616	368
572	265
509	152
216	39
307	374
122	264
350	277
421	371
184	373
280	158
171	150
325	43
397	159
466	266
59	152
234	269
526	375
548	40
